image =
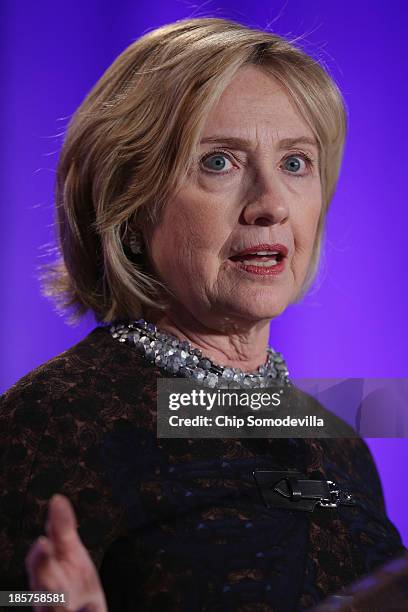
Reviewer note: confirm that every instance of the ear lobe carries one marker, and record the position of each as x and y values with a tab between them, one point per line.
136	243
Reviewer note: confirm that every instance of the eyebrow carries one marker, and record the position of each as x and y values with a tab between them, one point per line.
245	145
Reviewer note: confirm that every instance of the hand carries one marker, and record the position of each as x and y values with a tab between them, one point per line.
61	563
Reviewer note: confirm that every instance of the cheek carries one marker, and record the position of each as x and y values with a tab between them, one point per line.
307	222
310	233
304	232
188	242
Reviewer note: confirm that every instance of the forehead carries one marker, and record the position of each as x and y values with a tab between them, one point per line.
254	105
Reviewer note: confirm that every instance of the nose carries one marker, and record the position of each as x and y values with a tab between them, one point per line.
268	203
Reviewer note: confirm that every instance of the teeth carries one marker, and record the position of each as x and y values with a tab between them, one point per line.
260	264
266	253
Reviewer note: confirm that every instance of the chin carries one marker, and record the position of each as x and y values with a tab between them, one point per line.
254	311
270	303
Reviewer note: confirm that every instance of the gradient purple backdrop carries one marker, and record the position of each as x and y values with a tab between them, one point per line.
353	324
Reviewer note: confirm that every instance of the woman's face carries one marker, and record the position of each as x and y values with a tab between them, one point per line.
249	186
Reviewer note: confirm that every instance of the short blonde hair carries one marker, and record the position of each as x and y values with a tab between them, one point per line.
129	145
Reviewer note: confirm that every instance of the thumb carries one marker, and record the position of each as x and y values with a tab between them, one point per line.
61	525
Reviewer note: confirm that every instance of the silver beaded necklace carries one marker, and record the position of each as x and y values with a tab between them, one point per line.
179	358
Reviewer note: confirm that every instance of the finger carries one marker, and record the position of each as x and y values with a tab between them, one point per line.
38	560
61	525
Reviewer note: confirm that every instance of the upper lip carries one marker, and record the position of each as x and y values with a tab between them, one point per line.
277	247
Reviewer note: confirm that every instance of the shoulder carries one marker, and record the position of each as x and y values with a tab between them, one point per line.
90	367
57	375
88	386
44	395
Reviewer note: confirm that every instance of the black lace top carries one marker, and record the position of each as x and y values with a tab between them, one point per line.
175	524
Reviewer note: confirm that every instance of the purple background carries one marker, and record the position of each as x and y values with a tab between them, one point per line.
353	324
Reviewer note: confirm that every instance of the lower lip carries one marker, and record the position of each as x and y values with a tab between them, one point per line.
260	270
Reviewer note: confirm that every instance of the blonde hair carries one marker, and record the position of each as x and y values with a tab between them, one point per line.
129	145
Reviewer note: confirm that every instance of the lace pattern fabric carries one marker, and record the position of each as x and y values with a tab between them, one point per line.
175	524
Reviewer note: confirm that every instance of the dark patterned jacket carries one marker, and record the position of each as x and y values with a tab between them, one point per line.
175	524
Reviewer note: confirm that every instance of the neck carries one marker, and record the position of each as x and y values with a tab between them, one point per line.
243	346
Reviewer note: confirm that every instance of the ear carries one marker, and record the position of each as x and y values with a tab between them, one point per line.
136	243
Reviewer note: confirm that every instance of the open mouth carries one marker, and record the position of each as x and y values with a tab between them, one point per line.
261	259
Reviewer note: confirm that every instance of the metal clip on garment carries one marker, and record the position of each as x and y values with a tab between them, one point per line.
292	490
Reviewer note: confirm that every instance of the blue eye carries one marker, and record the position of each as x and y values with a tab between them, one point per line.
292	163
215	162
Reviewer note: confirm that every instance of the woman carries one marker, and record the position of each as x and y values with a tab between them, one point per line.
192	191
